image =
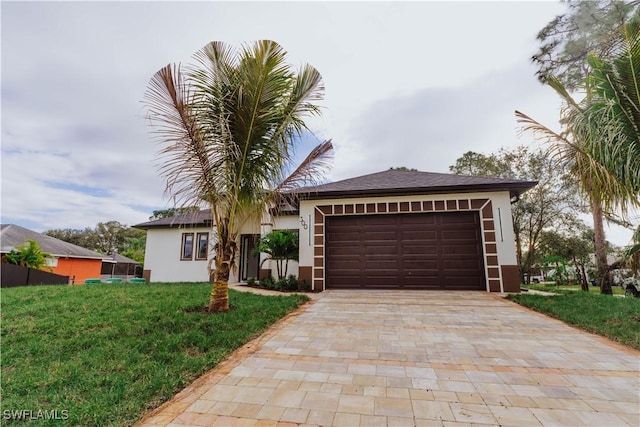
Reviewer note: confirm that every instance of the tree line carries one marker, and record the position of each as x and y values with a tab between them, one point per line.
590	56
106	238
548	231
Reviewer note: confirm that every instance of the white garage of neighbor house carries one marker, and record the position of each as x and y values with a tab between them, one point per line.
389	230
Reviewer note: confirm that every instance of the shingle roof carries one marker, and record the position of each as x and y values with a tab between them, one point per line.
120	259
12	235
401	182
389	182
201	218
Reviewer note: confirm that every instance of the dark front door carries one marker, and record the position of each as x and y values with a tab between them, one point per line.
249	263
405	251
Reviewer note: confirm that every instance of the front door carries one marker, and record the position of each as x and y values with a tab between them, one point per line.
249	263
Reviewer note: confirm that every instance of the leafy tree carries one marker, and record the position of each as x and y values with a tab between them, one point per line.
280	246
600	143
135	246
108	236
228	126
403	168
576	248
550	204
559	268
477	164
586	27
105	237
29	255
82	238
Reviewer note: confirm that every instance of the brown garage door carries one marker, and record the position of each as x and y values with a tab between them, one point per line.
406	251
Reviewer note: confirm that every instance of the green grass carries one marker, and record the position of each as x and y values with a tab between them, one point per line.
109	353
615	318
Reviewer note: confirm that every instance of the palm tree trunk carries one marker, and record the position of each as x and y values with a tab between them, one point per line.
600	244
219	298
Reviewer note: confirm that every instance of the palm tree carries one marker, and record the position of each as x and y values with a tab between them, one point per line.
280	246
227	126
600	144
29	255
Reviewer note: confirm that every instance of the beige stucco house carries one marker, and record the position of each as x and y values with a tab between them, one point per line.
389	230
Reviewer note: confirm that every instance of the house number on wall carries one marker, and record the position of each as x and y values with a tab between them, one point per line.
306	226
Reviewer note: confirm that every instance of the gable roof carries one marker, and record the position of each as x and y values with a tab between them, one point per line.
116	258
200	218
402	182
12	235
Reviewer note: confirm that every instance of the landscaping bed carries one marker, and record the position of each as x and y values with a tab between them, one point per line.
615	318
106	354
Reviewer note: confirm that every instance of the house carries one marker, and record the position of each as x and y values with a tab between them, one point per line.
394	229
68	259
119	266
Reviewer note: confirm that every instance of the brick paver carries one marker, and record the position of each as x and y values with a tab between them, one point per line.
415	358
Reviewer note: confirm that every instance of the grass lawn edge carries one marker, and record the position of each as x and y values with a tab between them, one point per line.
225	366
619	327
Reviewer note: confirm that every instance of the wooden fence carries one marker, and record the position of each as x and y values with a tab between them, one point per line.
15	275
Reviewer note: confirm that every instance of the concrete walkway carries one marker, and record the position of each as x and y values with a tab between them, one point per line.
391	358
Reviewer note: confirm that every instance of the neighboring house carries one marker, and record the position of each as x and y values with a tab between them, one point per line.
68	259
388	230
119	266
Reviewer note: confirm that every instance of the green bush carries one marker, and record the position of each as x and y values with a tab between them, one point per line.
290	284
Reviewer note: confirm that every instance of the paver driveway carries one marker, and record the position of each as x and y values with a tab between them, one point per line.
399	358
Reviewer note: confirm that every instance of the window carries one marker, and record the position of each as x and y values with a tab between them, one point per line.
187	247
203	246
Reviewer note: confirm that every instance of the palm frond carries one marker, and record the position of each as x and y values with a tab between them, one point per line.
184	160
310	169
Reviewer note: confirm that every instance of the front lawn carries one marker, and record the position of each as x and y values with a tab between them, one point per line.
613	317
106	354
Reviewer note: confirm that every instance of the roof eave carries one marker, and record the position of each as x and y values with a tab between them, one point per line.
514	189
173	225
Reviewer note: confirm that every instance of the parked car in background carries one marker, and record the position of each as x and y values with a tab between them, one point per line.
631	286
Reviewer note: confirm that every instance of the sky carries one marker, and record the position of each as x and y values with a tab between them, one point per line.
413	84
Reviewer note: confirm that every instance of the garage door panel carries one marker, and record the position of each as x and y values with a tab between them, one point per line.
424	235
346	282
379	235
462	233
382	265
380	249
344	266
432	282
420	250
462	249
420	220
380	282
451	264
459	219
374	220
440	250
420	264
463	283
345	236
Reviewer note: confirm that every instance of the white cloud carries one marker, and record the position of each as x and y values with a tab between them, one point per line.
408	83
